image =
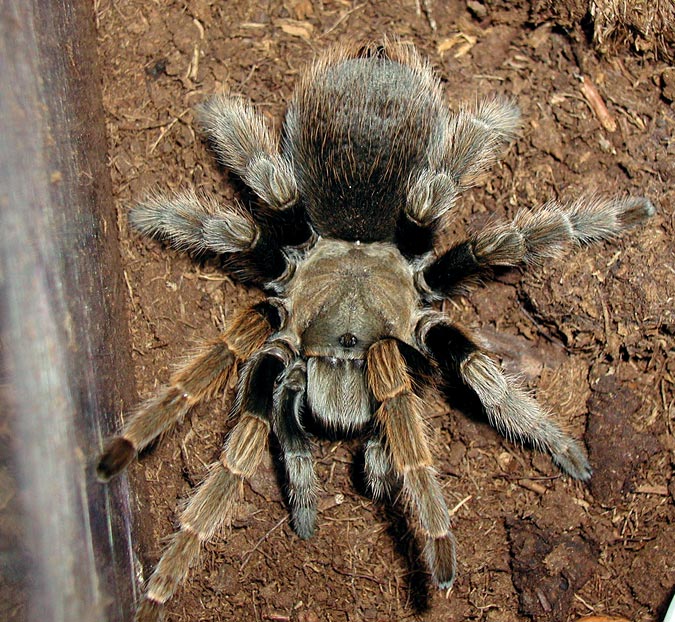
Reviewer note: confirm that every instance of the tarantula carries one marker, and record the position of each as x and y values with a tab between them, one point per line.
342	240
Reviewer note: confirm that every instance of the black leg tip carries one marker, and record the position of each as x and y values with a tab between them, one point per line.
149	611
573	461
117	455
441	560
304	522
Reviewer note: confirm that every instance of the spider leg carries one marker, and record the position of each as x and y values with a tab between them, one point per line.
400	418
201	378
380	477
431	195
476	137
296	449
531	237
197	224
252	243
508	407
213	503
470	141
245	145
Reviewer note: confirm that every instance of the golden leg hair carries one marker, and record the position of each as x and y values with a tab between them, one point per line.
400	417
204	375
210	507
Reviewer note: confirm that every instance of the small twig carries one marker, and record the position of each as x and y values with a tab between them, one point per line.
583	602
605	314
130	289
424	6
249	76
533	486
259	542
454	510
167	128
342	18
356	575
213	276
487	76
597	104
648	489
193	67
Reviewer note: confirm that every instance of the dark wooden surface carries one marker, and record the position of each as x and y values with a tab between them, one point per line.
65	546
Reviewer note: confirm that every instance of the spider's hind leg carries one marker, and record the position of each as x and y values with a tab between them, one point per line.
244	144
533	236
380	477
463	146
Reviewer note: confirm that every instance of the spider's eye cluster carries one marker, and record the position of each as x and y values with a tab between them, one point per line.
348	340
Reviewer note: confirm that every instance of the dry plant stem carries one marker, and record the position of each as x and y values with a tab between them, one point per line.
597	104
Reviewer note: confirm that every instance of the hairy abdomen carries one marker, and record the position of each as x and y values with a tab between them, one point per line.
355	132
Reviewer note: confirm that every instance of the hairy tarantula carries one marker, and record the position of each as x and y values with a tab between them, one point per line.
369	166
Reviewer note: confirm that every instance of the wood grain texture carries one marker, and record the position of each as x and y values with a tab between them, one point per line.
65	346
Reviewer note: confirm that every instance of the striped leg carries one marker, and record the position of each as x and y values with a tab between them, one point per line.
468	143
245	145
201	378
477	136
400	417
214	501
196	224
251	248
508	408
532	237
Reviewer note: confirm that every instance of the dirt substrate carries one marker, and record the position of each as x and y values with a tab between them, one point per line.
592	334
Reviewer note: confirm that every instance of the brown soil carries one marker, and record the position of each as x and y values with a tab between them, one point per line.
593	334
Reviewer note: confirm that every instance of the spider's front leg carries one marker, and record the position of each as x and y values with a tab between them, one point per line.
296	448
400	418
204	375
509	408
380	478
214	502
